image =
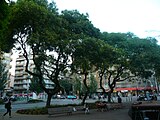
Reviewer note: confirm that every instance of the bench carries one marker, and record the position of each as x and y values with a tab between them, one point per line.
102	106
114	105
60	110
80	109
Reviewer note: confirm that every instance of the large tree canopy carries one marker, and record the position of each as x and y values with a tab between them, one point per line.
143	55
6	42
136	58
56	41
83	59
48	38
36	27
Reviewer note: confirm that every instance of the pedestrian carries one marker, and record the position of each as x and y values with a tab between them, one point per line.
119	99
8	108
130	96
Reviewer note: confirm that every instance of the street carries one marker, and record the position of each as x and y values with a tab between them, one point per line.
24	105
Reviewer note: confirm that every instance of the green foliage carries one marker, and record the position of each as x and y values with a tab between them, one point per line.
67	85
114	39
77	85
39	25
75	42
3	12
6	42
35	111
1	101
78	25
3	75
35	86
93	85
143	56
43	110
84	62
135	53
34	101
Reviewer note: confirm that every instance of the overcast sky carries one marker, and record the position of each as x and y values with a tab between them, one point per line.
142	17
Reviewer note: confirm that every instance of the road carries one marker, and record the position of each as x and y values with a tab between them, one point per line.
23	105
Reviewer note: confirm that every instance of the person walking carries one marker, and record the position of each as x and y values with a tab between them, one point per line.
8	108
119	99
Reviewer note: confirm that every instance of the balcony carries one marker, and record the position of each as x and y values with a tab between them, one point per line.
19	88
21	83
19	75
19	68
19	65
19	78
23	86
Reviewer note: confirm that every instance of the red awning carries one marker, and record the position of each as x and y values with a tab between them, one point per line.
119	89
134	88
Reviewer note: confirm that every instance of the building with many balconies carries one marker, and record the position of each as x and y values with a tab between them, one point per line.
22	79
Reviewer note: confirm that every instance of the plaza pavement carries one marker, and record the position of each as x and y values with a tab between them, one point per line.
119	114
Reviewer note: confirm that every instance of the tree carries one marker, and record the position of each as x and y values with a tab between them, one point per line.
133	59
49	36
142	51
6	42
106	58
93	84
67	85
83	59
146	52
35	25
34	86
78	86
78	25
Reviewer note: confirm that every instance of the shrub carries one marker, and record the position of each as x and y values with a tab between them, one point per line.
43	110
35	111
34	101
1	101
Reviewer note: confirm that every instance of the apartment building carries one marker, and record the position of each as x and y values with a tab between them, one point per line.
6	61
22	79
133	85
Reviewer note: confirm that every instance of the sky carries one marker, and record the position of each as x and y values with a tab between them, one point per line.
141	17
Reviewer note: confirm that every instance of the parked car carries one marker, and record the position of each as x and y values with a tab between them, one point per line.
71	97
61	96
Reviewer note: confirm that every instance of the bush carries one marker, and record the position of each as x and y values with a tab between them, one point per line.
44	110
34	101
1	101
35	111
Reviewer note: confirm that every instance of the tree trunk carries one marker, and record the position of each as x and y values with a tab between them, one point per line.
87	89
48	103
109	95
101	86
84	99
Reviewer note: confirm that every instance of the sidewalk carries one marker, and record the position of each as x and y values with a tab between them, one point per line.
94	115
